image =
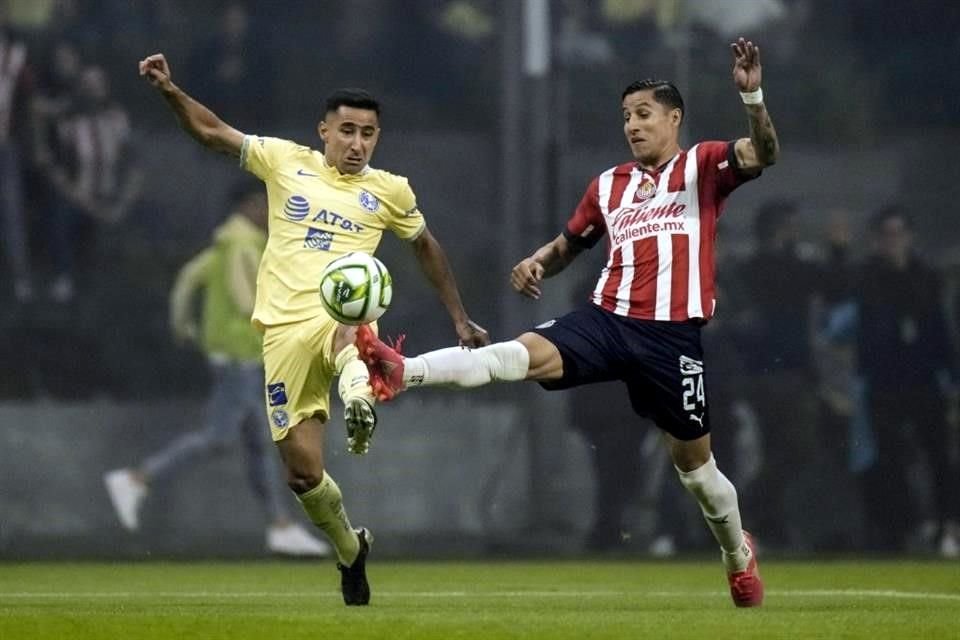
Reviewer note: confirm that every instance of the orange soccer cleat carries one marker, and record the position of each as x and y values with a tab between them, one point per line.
746	587
384	362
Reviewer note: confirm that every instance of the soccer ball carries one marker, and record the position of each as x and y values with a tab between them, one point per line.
356	288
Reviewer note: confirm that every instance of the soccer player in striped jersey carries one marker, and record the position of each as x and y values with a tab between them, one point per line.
321	206
658	214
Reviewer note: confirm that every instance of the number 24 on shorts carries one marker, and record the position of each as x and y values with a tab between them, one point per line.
693	394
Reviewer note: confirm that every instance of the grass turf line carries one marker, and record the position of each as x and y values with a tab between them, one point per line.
558	600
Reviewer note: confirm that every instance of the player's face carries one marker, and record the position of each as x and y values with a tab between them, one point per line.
652	129
349	137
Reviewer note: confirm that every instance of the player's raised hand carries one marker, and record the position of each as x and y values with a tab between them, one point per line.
472	335
156	70
526	276
746	65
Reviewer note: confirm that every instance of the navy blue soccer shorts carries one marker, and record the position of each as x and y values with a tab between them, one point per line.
661	364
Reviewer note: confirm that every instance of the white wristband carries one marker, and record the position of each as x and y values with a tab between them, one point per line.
753	97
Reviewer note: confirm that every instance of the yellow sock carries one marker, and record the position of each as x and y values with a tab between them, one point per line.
324	506
354	378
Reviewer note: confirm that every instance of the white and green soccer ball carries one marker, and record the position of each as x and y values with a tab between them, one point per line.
356	288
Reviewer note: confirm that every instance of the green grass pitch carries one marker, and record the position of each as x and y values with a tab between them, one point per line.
434	600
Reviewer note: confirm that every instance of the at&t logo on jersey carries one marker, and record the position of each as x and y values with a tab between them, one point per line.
318	239
296	208
369	201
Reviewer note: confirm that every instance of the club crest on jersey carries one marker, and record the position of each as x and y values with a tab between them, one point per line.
280	418
296	208
369	201
645	190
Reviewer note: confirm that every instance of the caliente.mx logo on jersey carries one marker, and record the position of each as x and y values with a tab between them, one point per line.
296	208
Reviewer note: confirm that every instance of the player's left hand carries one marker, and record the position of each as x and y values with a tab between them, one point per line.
472	335
526	276
746	65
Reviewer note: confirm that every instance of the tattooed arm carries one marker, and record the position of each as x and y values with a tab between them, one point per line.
762	148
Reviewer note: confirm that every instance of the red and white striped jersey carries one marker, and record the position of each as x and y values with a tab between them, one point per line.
660	228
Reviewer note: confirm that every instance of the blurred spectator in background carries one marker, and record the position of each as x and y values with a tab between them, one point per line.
95	174
779	289
55	97
15	92
233	69
905	356
56	93
227	273
842	414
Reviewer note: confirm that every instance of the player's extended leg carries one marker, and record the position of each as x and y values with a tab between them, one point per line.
529	357
302	454
355	391
718	501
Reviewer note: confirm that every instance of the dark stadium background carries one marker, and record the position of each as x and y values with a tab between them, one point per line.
499	131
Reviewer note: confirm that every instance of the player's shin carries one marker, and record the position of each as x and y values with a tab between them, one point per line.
324	505
718	501
462	367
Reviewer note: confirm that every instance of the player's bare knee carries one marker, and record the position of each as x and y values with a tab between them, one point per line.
689	455
302	455
301	481
544	359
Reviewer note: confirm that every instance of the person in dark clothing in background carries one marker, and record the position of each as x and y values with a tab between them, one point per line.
780	292
905	356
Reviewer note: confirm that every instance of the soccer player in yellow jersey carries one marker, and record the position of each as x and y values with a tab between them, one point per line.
322	205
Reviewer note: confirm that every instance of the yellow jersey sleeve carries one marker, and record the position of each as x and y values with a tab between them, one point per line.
401	213
262	156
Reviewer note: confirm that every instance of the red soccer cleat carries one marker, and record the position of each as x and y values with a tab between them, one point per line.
746	587
384	362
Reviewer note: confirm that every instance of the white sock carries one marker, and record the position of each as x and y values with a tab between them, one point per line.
462	367
718	502
354	379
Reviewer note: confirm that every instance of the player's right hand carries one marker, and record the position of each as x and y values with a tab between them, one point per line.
156	70
526	276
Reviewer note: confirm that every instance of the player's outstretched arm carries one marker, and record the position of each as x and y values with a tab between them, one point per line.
548	260
434	264
762	148
196	119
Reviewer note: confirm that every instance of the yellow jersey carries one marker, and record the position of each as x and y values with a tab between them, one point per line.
318	214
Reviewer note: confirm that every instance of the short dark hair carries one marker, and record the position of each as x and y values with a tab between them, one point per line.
356	98
663	92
